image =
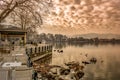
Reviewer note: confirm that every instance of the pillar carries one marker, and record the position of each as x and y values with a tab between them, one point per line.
0	36
24	39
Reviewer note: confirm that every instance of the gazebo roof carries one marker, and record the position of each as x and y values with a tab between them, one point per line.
13	30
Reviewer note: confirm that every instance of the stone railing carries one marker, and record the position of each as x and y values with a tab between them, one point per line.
33	51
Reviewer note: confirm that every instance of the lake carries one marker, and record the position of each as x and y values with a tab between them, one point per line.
108	59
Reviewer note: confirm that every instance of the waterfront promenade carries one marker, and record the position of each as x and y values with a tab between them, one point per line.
10	70
14	65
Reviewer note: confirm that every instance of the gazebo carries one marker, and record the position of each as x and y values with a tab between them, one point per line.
7	31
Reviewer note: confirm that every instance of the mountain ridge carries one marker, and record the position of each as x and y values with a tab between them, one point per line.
94	35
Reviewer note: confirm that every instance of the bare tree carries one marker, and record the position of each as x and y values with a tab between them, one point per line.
25	13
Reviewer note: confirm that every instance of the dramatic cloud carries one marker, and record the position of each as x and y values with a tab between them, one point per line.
87	15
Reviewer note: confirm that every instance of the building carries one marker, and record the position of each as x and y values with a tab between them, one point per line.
12	33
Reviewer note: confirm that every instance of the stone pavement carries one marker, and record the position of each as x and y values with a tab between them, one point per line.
15	73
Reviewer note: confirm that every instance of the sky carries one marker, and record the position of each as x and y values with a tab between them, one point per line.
72	17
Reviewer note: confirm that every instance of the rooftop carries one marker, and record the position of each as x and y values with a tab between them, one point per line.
4	27
10	29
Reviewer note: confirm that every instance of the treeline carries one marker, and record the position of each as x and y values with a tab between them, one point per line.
93	40
63	38
47	38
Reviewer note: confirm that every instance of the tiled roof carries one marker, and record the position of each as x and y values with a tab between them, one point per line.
10	28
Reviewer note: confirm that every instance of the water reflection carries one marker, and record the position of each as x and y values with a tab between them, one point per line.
60	45
45	60
108	60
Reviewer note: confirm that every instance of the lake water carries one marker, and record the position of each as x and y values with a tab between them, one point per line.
108	59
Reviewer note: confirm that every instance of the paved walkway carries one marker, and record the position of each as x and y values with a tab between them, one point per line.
17	73
3	75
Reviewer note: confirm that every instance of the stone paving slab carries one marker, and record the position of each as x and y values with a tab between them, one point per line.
16	74
3	75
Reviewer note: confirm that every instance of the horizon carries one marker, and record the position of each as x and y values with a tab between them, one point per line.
92	35
46	31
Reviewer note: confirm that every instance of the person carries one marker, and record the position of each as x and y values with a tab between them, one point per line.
30	64
35	75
